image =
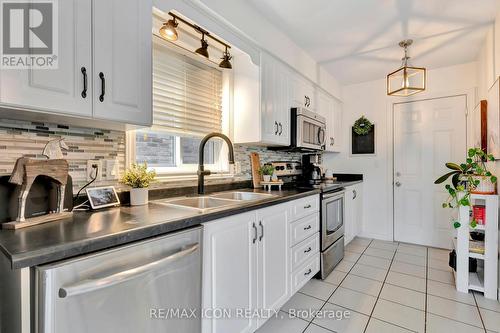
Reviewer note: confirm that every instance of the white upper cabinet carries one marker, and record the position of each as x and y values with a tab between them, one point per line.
275	102
60	90
302	93
112	37
122	72
337	126
331	109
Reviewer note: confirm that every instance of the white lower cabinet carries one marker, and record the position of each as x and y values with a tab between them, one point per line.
353	211
247	266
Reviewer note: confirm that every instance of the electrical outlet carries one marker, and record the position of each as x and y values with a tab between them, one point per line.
91	171
112	169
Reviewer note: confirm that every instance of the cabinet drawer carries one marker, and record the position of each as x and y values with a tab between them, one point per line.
304	251
303	228
304	273
304	207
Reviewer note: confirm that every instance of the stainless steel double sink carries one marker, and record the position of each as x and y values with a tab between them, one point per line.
215	201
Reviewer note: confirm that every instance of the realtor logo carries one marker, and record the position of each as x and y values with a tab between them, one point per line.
29	34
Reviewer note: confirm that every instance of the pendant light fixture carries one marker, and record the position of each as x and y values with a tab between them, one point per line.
407	80
226	57
203	50
169	31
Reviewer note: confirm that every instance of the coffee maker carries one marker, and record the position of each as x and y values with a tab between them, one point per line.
312	170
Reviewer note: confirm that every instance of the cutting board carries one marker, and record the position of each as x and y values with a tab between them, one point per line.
255	163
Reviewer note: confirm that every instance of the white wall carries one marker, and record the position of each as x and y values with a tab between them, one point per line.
245	19
370	99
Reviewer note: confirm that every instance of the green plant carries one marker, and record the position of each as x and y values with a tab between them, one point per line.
138	176
362	126
464	180
266	169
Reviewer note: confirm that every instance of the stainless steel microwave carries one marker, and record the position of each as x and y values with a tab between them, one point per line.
308	130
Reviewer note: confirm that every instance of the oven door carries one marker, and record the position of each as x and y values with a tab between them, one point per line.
310	133
332	218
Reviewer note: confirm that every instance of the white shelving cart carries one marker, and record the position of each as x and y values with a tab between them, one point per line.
485	280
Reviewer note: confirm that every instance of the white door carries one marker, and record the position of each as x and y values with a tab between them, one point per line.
230	272
122	73
273	260
58	90
427	134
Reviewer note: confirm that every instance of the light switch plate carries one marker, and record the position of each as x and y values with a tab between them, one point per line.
111	169
91	171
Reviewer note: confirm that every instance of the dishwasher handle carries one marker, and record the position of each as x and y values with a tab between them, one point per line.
90	285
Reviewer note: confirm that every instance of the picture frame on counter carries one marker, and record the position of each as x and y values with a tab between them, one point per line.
101	197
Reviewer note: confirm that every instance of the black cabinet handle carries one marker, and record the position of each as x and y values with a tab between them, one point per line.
262	231
281	129
308	272
255	233
308	250
103	86
354	194
308	227
84	72
307	206
275	128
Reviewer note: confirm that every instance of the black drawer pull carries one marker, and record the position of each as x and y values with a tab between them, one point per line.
84	72
307	206
103	86
308	250
308	227
281	129
308	272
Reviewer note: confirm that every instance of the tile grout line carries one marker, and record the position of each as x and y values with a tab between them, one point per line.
380	291
479	311
337	287
426	282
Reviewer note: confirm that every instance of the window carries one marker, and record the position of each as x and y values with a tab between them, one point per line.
187	105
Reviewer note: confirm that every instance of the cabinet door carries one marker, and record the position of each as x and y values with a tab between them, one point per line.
358	208
229	271
325	108
122	72
269	116
282	104
273	257
302	92
57	90
349	216
337	126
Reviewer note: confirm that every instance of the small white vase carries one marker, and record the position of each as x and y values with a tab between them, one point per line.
138	196
267	178
486	186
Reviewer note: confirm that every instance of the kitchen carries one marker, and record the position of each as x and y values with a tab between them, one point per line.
216	166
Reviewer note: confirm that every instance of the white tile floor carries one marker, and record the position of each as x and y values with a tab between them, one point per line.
387	287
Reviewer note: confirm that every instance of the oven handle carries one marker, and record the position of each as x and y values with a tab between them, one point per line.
90	285
333	195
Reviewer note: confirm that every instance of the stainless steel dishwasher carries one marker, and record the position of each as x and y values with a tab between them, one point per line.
149	286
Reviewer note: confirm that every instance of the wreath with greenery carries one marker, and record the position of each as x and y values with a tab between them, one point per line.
362	126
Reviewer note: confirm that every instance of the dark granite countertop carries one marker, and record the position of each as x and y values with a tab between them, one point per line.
86	232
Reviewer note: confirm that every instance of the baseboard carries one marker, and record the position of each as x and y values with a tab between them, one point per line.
375	236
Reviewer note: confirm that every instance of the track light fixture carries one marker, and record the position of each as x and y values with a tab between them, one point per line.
203	50
169	32
226	57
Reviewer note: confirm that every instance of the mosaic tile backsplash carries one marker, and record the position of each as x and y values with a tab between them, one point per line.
24	138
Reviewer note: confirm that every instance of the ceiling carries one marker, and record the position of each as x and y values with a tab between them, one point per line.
357	40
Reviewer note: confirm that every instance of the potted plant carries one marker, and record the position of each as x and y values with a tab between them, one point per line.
266	171
468	178
138	178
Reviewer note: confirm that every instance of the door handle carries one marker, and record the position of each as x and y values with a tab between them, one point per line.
255	233
281	128
84	72
261	230
275	127
90	285
103	86
397	183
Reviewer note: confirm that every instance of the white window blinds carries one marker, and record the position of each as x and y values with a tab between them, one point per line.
187	95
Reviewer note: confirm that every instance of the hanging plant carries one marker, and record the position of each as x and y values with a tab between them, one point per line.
362	126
